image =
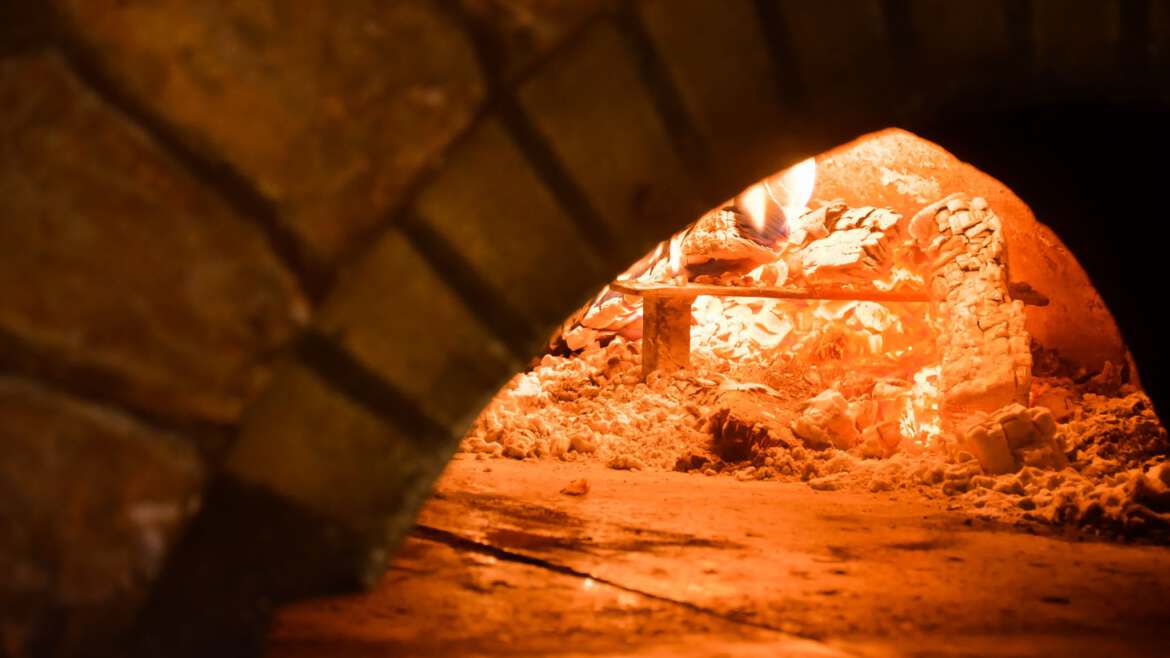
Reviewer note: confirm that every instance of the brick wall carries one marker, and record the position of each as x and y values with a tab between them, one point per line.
309	240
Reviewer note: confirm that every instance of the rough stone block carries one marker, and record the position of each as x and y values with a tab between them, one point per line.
335	106
522	31
90	502
120	268
492	208
718	58
397	315
592	107
991	447
307	442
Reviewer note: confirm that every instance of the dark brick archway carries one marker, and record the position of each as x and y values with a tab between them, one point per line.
300	247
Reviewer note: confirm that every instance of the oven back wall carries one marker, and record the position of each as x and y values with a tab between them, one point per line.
287	250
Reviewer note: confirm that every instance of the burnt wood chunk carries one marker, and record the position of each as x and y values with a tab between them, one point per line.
744	422
666	333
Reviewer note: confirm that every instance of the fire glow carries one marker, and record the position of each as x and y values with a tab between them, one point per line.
882	340
790	335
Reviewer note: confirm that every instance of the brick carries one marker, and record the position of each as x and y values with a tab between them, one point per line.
523	31
590	104
841	48
119	267
334	107
489	204
396	315
308	443
1076	40
90	503
719	60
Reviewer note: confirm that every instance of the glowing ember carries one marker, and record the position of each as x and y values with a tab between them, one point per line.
920	420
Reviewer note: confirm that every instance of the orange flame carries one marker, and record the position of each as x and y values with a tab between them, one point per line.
792	188
755	201
677	273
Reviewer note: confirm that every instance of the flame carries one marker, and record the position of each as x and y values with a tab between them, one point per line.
675	259
792	188
755	200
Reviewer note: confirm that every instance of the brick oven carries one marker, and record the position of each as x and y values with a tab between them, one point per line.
748	326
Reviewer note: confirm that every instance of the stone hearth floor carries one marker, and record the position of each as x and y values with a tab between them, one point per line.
670	564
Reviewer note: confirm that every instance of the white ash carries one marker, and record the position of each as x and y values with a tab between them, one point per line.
1112	472
593	405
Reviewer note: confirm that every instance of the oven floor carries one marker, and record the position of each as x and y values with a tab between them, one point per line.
668	564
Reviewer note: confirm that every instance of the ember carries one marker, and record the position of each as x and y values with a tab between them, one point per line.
844	345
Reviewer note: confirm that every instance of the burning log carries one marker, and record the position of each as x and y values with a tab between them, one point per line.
745	422
725	240
666	333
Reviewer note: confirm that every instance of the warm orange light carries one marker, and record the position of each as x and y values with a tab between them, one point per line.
920	419
792	188
754	200
676	258
900	276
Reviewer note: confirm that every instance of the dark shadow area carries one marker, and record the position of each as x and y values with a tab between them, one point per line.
1095	172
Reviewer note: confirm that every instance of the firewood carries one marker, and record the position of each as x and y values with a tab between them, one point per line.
726	235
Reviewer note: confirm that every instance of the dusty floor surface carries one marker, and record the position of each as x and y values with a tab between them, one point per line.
670	564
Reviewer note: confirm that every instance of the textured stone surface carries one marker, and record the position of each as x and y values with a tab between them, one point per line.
396	315
90	501
985	356
523	30
118	265
310	444
719	60
335	106
893	568
1083	49
24	26
441	601
490	205
896	169
600	120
